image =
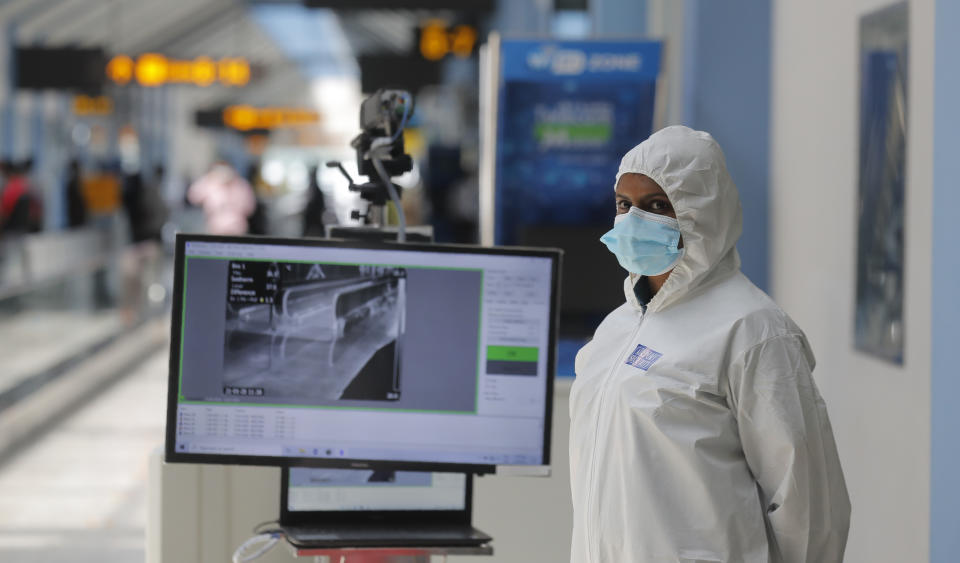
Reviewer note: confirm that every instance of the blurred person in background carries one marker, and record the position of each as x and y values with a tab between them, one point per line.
102	195
463	208
226	198
147	212
20	209
73	193
257	221
313	225
5	172
157	210
21	212
442	171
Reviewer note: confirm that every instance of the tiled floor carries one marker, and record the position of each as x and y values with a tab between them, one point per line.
28	335
79	494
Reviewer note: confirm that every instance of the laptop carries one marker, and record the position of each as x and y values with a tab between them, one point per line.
355	508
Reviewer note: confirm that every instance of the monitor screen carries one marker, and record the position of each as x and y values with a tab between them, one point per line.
361	354
340	490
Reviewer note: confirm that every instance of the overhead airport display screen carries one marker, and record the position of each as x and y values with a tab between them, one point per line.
350	354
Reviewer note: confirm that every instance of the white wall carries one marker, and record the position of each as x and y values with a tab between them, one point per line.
880	412
530	518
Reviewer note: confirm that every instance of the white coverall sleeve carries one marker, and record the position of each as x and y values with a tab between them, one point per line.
789	446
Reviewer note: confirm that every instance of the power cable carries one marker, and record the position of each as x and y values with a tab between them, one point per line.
264	543
401	218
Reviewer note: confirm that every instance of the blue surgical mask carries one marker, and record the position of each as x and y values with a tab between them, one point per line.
644	243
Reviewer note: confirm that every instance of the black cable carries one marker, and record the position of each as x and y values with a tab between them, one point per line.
276	529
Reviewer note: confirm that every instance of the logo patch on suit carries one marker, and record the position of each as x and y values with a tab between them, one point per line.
643	357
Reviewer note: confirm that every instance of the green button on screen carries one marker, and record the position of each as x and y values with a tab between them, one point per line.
513	353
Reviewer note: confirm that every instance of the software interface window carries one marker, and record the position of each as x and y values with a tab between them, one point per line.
328	351
335	490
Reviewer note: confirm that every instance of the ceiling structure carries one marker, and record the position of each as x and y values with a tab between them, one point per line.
178	29
287	43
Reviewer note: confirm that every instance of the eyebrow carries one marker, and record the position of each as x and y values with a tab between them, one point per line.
642	198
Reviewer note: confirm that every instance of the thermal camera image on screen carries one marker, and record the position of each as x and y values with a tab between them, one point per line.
324	331
328	350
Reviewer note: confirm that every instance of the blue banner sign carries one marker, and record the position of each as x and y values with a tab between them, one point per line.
605	60
568	111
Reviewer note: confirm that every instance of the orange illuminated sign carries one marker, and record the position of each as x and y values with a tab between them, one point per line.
203	72
152	69
245	118
437	40
234	71
120	69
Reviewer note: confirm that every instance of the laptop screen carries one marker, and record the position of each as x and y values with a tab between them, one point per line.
337	354
338	490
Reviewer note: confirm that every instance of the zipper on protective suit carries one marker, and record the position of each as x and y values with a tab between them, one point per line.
605	385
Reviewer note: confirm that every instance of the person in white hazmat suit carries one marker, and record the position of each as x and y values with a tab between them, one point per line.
697	433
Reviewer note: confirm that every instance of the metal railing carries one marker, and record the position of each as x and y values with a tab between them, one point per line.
66	295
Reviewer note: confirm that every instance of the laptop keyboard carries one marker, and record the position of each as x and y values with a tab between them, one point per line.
381	532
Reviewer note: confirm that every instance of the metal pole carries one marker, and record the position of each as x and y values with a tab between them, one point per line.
9	113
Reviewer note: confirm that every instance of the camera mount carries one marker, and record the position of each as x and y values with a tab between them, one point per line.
381	154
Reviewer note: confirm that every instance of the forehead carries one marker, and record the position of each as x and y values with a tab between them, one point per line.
635	186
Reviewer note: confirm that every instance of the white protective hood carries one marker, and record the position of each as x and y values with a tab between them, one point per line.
697	432
690	168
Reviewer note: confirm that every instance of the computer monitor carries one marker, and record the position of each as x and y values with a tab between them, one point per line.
350	354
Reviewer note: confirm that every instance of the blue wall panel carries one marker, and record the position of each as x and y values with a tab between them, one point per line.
618	18
727	93
945	375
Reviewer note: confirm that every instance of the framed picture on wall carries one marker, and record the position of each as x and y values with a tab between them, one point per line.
882	172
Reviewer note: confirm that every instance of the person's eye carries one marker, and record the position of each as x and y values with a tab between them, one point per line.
623	206
660	205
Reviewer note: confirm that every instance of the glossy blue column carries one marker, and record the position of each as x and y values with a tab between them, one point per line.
9	103
618	18
727	93
523	17
945	331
